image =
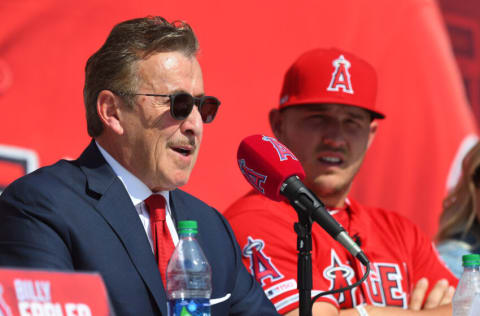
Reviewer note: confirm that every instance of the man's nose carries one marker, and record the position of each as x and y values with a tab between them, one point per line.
333	134
193	124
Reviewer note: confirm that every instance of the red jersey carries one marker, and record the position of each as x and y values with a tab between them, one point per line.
399	253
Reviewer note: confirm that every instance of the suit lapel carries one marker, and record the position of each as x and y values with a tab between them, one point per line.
181	211
176	206
115	205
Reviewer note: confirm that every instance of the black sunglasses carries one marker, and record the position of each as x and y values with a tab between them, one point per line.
181	105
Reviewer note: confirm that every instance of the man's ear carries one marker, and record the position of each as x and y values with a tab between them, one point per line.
372	132
275	118
108	109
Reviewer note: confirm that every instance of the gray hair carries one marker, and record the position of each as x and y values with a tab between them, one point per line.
114	66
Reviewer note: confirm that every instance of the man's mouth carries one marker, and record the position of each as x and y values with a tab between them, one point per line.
331	160
185	151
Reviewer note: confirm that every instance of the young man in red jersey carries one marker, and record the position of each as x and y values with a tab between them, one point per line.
327	118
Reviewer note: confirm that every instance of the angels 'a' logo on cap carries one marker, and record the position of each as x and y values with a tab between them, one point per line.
340	76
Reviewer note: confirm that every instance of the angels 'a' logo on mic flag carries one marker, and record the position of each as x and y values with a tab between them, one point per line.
266	164
283	152
256	179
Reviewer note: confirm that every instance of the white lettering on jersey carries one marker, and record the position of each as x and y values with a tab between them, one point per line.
384	285
340	275
281	288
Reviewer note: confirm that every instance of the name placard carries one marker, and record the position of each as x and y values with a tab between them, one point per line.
48	293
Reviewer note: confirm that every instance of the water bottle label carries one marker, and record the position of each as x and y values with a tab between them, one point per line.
189	307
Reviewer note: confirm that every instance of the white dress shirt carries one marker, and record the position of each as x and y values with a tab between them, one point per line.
138	192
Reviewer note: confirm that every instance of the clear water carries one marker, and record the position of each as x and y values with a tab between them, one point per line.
188	280
468	287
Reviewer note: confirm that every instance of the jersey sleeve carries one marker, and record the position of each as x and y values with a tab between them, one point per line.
265	232
426	262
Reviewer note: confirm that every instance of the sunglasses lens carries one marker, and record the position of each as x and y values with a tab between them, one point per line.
182	106
476	177
208	108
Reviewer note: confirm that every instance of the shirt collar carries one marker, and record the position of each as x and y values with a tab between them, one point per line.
136	189
335	210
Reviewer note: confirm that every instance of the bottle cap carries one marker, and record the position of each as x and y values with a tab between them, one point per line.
471	260
187	227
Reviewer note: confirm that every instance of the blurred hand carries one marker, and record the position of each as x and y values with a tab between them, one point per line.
440	294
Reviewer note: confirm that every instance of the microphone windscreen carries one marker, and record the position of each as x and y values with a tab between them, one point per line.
266	164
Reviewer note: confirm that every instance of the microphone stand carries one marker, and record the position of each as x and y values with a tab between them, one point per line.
304	264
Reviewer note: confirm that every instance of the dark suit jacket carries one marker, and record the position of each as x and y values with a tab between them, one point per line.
77	215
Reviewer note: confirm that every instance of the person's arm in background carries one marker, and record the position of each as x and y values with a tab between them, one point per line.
452	251
438	303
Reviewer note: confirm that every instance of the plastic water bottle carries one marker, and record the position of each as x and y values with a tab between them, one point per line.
189	284
468	286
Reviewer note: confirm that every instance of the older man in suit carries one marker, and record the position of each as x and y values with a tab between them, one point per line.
146	107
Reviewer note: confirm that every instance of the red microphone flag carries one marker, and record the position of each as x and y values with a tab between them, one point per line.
266	164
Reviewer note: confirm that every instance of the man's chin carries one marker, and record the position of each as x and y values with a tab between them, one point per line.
180	180
172	183
328	187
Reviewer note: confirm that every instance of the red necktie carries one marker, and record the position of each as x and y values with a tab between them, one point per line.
162	240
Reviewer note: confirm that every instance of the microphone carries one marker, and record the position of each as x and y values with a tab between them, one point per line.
273	170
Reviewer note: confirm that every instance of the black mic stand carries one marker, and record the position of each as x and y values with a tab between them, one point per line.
304	264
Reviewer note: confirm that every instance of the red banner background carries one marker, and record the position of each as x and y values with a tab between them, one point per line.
245	49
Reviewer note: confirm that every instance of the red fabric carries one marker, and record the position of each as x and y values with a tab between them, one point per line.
330	76
400	254
163	245
419	87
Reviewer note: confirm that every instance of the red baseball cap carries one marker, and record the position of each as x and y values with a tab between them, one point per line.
330	76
